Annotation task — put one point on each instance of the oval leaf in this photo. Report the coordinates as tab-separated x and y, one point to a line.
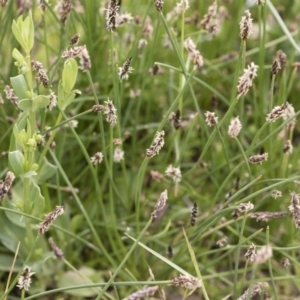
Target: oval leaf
40	102
16	162
19	85
25	104
69	75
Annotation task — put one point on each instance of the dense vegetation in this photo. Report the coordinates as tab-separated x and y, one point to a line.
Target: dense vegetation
149	149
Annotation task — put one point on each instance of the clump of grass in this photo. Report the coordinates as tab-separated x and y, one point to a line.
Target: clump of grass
105	105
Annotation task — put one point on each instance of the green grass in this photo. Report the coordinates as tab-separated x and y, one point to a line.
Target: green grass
111	245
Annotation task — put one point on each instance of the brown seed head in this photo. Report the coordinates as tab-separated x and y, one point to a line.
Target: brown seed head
63	8
251	254
58	253
256	289
263	254
111	15
258	159
288	147
160	204
245	81
5	185
246	25
294	208
187	282
125	69
211	119
159	5
275	67
234	127
157	144
142	294
45	225
74	39
194	214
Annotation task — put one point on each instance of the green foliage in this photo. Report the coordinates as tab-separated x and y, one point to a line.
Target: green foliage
106	233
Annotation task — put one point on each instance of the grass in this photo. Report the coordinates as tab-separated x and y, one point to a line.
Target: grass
112	243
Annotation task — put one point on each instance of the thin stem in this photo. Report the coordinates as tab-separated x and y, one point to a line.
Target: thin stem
112	278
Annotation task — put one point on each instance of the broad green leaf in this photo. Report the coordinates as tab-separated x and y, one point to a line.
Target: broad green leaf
69	75
18	33
37	200
40	102
71	278
14	143
19	85
16	54
17	136
16	162
6	261
69	99
60	96
25	104
29	174
46	171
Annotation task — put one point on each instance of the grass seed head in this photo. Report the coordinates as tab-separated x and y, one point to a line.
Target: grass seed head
275	194
10	95
246	25
276	113
110	111
97	158
125	69
234	127
211	119
286	262
157	144
222	241
148	28
275	67
173	173
159	5
141	294
156	175
288	147
281	56
256	289
263	254
251	254
160	204
53	101
194	214
111	15
245	207
209	22
294	208
6	184
246	80
187	282
24	280
58	252
63	8
289	112
118	155
258	159
43	77
194	54
265	216
74	39
45	225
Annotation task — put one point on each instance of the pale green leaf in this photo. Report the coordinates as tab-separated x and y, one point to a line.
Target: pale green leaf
16	162
25	104
19	85
69	75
